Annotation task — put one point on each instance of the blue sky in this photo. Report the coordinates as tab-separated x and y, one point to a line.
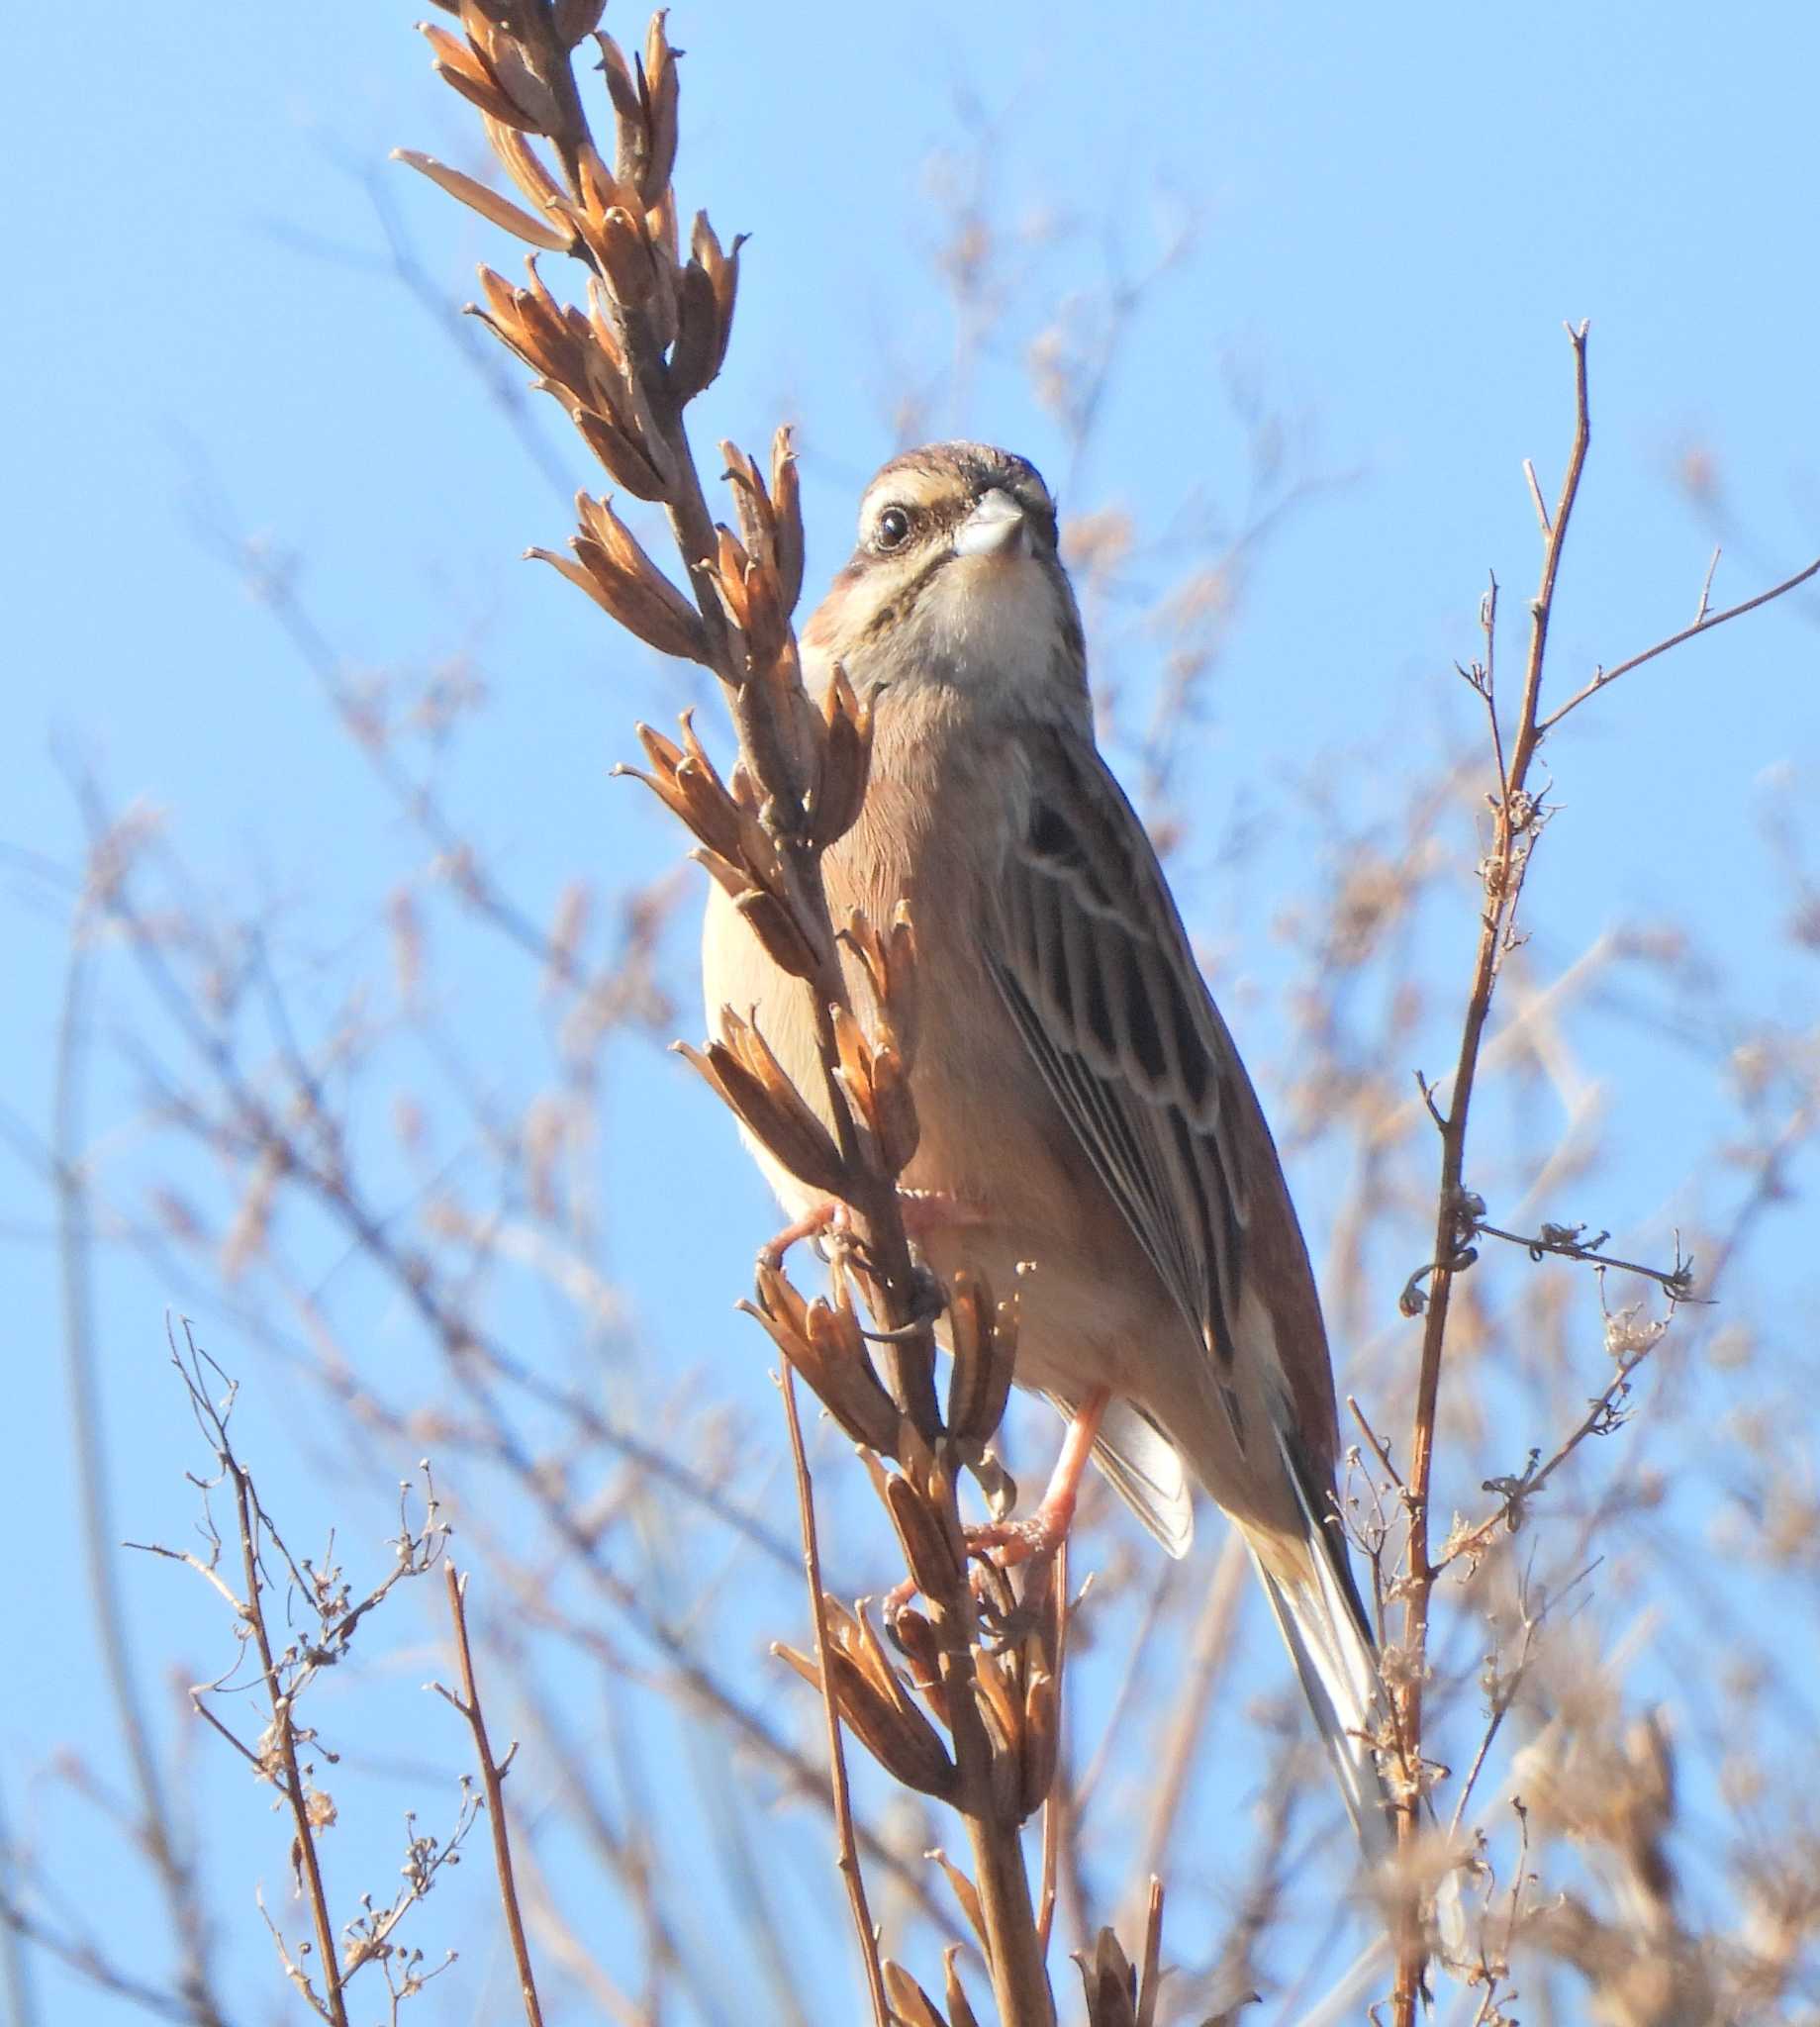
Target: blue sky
1389	213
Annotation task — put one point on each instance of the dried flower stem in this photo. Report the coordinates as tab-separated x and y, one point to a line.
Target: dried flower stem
1518	819
847	1848
332	2005
653	334
492	1779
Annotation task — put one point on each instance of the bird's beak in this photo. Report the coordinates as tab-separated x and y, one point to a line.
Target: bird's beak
994	527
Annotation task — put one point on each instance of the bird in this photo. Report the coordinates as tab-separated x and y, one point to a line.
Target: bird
1087	1130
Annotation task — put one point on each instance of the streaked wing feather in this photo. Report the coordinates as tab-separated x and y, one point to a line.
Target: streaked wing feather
1095	969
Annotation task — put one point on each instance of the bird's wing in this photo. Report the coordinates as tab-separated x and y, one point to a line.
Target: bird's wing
1094	965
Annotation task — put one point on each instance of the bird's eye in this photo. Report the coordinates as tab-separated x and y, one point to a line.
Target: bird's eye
891	528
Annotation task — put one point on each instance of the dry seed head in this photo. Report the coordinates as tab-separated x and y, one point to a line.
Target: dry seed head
766	626
999	1701
489	203
787	518
909	2003
774	923
515	74
748	595
513	316
645	601
840	792
621	89
749	1082
660	223
692	358
1041	1740
960	2012
690	788
894	1109
459	64
889	958
915	1638
966	1893
751	503
624	458
660	229
876	1709
928	1552
705	290
843	1378
984	1335
526	167
1110	1984
659	83
1004	1771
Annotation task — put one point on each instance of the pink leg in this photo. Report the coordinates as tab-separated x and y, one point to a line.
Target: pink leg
1042	1534
826	1216
1047	1528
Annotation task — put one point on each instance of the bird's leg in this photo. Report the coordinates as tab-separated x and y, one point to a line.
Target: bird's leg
829	1215
1044	1532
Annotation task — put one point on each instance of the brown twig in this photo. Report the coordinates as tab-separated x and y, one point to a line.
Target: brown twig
492	1777
846	1850
652	338
1563	1242
283	1736
1704	623
1516	817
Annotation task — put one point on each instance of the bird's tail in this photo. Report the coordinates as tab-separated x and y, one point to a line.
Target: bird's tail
1323	1623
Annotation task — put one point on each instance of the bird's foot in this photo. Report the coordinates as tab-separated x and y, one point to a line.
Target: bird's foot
924	1213
1036	1539
830	1214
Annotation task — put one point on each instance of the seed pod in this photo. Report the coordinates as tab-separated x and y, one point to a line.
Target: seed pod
846	760
459	64
518	78
960	2012
787	518
927	1553
985	1346
489	203
752	1082
526	168
661	102
1040	1741
909	2003
1110	1984
893	1111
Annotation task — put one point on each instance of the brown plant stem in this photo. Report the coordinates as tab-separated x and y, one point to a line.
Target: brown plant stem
284	1732
1513	818
847	1848
491	1778
1517	823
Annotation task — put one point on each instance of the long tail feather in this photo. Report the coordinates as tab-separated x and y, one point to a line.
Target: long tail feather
1337	1666
1324	1626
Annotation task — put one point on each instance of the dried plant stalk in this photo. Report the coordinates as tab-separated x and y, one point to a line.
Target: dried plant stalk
652	335
1519	818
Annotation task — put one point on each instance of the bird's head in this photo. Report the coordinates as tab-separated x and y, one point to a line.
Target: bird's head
956	579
